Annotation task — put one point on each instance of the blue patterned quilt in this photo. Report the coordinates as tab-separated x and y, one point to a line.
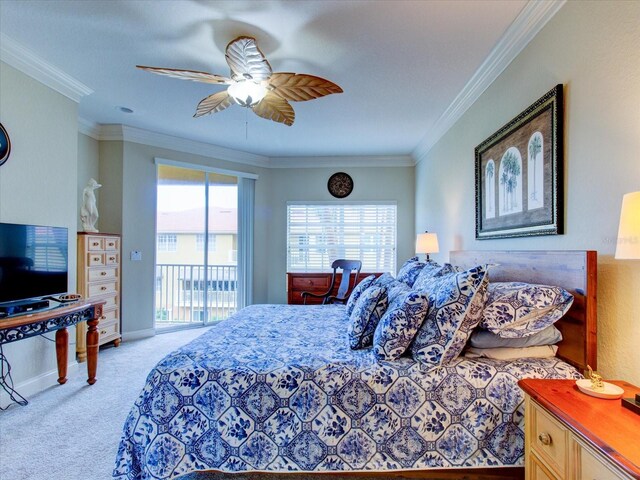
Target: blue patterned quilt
277	388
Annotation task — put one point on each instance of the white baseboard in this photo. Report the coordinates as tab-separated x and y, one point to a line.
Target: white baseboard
138	334
37	384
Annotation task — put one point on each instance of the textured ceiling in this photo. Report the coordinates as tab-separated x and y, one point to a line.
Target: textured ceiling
400	63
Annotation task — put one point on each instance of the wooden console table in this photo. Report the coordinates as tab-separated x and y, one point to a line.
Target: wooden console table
57	320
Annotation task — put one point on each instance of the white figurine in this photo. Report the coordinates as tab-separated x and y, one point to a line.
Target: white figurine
89	210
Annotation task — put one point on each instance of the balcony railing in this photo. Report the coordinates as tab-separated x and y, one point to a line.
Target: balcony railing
181	289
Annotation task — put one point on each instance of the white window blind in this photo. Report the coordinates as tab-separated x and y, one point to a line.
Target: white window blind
318	234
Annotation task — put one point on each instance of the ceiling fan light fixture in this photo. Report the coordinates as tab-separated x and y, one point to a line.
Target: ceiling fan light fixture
247	93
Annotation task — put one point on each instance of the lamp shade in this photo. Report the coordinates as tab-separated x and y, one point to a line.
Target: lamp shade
427	243
628	246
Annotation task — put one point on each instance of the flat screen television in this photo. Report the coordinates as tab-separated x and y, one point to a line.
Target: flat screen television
34	261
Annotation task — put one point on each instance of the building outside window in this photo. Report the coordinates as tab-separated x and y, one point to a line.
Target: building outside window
167	242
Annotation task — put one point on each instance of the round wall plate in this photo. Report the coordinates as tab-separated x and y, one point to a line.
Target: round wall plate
340	185
5	145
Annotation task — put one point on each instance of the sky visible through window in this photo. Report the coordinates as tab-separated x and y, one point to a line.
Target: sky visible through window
174	198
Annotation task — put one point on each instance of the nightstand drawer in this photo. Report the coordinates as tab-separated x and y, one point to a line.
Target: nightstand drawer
539	471
98	274
549	439
592	467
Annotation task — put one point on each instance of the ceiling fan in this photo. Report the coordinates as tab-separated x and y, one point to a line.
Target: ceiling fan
253	84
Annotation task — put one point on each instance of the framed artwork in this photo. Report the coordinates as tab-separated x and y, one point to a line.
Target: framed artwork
519	171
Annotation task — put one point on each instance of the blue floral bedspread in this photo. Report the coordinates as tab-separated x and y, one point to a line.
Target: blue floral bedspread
277	388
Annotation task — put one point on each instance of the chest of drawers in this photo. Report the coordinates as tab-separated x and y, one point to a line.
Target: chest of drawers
99	278
573	436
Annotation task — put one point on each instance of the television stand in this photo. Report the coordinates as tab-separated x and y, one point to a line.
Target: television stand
57	320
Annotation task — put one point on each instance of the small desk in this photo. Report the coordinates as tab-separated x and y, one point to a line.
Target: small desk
57	320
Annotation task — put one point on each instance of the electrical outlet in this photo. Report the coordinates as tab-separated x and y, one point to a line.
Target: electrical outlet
136	255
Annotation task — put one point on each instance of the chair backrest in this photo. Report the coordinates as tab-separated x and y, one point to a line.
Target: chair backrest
349	268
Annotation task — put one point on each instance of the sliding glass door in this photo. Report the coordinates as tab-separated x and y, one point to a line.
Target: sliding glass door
197	247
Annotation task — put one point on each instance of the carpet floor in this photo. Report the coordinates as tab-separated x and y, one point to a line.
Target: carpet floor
72	431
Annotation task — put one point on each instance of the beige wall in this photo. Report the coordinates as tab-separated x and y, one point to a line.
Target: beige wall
593	49
38	185
310	184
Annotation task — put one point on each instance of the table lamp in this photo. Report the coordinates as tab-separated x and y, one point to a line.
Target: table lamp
427	243
628	248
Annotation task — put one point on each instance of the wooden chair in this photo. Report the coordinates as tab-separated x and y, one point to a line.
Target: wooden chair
348	269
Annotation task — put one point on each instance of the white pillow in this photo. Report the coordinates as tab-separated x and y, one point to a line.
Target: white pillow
541	351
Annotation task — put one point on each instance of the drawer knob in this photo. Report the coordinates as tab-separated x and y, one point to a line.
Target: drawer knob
103	332
103	317
545	438
103	288
95	244
112	259
103	273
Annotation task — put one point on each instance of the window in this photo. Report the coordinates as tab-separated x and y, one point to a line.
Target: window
317	234
200	242
167	242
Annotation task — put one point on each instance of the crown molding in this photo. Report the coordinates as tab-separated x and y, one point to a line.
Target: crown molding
169	142
533	17
338	162
23	59
89	128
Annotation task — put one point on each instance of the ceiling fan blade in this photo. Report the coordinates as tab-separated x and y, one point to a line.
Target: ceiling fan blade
214	103
299	87
188	75
275	108
246	61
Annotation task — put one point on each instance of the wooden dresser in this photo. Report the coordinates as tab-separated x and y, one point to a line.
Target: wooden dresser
315	283
573	436
99	279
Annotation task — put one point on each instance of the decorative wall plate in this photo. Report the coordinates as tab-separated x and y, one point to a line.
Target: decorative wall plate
5	145
340	185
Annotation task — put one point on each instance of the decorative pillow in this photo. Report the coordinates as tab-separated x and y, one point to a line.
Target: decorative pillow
540	351
430	270
410	270
357	291
456	301
395	289
365	316
485	339
516	309
399	325
384	280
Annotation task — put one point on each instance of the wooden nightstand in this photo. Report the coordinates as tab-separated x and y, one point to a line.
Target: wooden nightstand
572	436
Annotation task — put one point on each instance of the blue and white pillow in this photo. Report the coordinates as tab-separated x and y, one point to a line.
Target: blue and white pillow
410	270
456	302
365	316
395	289
384	280
430	270
357	291
399	324
516	309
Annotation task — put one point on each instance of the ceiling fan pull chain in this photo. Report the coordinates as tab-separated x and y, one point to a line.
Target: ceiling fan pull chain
246	124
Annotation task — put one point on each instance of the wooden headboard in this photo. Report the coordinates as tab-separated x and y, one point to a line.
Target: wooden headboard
575	271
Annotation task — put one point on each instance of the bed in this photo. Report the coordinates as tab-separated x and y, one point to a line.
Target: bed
291	396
